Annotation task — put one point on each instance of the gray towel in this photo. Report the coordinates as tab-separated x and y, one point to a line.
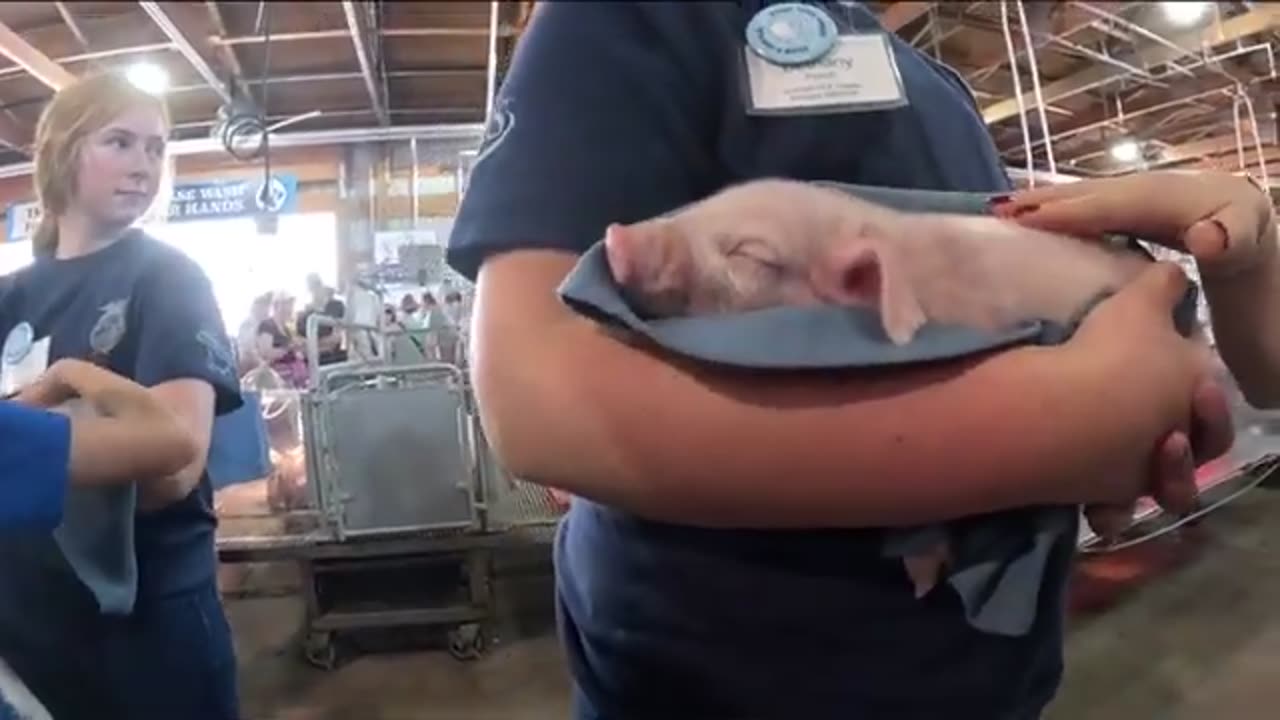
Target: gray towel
96	536
996	568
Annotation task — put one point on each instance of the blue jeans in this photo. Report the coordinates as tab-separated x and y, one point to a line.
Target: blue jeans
172	658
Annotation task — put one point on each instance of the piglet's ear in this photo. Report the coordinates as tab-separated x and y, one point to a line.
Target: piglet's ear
620	248
863	273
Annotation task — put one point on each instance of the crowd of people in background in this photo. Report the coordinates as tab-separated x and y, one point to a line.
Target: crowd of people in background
275	332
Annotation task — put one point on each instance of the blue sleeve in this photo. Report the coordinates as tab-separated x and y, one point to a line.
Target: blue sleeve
608	114
35	454
181	333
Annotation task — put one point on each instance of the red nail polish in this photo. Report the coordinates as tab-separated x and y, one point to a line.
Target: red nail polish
1020	211
995	200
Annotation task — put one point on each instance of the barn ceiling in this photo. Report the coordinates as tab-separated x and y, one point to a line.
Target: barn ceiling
1173	94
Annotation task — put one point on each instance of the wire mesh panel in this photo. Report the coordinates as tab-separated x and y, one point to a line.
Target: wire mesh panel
513	503
395	450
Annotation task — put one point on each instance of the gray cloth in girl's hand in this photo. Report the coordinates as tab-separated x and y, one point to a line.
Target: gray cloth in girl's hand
855	285
96	535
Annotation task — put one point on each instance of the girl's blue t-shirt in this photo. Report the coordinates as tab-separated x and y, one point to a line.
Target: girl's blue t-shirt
35	454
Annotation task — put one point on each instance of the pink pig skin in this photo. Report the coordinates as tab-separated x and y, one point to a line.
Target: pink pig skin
769	243
776	242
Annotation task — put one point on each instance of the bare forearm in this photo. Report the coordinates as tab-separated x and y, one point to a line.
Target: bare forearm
687	445
109	450
1245	309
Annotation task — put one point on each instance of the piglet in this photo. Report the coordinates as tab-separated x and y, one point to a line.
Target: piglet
772	243
776	242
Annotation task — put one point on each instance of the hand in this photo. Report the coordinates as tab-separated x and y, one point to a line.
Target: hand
1164	381
51	389
1173	466
1221	220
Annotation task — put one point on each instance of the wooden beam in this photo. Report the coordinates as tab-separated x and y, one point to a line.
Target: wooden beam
1264	17
227	53
1231	162
24	55
902	14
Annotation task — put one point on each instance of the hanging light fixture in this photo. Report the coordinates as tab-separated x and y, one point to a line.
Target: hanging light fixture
148	77
1184	13
1125	151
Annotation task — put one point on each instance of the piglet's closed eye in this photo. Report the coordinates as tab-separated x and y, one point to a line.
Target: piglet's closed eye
864	274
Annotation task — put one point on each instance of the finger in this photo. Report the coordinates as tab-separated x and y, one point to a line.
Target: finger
1098	214
1174	481
1109	521
1058	192
1162	283
1212	428
1229	237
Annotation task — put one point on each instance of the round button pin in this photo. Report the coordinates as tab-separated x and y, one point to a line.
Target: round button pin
18	343
791	34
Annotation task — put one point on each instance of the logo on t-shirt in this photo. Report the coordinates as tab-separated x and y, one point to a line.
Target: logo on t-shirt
217	353
110	328
498	129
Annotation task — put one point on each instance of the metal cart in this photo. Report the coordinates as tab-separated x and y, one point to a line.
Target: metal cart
406	503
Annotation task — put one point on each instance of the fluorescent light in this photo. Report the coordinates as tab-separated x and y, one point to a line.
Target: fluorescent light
148	77
1126	151
1184	13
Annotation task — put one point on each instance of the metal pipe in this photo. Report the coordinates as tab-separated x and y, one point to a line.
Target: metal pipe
179	41
1257	138
1129	24
1101	57
366	62
472	132
1050	178
1017	90
1210	59
70	21
1035	86
1235	112
340	77
1072	132
491	72
413	179
505	31
286	119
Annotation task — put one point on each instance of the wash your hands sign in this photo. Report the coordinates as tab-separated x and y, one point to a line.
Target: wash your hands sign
208	200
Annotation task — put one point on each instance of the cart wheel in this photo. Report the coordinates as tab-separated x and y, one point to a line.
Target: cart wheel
466	642
321	650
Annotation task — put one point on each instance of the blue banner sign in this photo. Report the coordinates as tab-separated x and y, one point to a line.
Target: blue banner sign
233	198
208	200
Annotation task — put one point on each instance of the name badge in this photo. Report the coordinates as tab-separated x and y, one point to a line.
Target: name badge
859	74
23	360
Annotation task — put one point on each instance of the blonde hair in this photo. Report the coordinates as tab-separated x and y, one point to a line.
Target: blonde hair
83	107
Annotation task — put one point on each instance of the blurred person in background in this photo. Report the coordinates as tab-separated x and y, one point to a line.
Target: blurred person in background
324	301
277	344
410	312
247	335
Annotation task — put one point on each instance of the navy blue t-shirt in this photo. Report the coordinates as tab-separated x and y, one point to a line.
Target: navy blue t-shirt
145	311
616	112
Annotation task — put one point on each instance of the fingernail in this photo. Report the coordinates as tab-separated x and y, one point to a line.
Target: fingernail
998	200
1223	235
1019	212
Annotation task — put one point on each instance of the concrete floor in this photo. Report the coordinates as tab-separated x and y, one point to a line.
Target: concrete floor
1200	639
